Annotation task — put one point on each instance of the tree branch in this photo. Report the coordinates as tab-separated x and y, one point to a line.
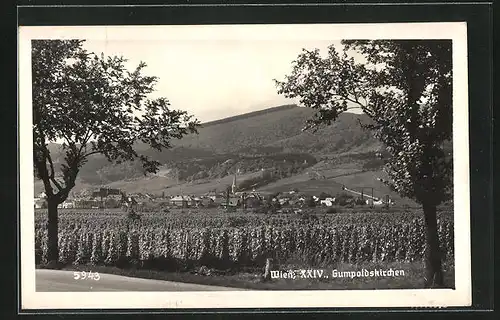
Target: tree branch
68	140
49	158
56	183
88	134
41	166
355	94
356	101
51	176
366	101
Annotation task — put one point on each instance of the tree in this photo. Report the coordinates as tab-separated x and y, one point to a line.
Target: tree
94	105
405	87
310	202
323	195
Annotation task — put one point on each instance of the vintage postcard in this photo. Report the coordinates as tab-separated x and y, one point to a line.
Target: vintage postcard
244	166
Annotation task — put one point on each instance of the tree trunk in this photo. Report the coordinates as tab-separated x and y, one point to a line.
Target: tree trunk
53	249
434	272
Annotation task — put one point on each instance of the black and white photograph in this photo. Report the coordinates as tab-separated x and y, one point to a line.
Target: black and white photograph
226	166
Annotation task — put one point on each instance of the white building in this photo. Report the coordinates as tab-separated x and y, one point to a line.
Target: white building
328	202
40	203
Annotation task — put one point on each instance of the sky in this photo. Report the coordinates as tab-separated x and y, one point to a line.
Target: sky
213	79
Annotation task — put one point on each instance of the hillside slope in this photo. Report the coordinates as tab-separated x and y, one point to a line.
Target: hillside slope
280	129
339	154
257	136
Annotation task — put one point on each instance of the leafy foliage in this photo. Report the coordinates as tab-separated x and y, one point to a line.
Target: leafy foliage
405	88
95	106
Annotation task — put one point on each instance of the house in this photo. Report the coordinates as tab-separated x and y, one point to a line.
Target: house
163	202
252	202
202	201
143	198
97	194
381	202
138	196
328	202
112	192
86	203
179	201
107	193
206	202
183	201
40	203
112	202
190	200
370	202
115	197
147	197
299	202
42	195
233	202
217	199
284	201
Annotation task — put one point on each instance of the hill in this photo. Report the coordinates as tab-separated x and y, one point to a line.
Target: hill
279	129
250	141
267	148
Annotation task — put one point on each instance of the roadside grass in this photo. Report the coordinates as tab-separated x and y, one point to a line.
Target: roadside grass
413	277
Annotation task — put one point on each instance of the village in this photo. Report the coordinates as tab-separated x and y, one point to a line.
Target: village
231	198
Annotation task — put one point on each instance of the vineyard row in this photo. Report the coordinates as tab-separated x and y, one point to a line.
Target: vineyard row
245	246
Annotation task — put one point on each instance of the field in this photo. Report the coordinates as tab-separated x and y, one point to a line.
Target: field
183	241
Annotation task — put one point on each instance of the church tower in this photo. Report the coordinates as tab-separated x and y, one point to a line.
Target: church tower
233	187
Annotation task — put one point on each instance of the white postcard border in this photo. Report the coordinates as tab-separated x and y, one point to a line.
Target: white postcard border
461	296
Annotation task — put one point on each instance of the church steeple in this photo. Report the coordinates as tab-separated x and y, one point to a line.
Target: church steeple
233	187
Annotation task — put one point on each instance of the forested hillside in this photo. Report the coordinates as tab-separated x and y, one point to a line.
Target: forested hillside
266	139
